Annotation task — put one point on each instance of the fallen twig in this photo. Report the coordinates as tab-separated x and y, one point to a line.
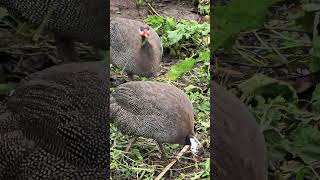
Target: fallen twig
153	10
185	148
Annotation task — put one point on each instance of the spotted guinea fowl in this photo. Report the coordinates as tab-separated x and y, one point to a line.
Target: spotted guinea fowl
155	110
239	150
135	47
53	131
69	21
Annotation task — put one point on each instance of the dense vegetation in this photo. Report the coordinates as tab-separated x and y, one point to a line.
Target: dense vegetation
267	53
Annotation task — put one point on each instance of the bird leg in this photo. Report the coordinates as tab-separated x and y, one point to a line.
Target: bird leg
130	76
131	141
163	154
66	49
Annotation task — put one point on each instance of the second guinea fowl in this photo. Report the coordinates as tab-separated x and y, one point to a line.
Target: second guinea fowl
155	110
135	47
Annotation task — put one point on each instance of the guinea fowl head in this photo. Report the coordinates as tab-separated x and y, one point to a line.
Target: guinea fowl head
144	32
196	147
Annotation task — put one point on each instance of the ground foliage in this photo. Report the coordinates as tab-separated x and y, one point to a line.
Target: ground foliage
268	55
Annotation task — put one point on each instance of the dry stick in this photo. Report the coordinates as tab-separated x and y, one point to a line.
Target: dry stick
153	10
185	148
260	39
247	57
283	58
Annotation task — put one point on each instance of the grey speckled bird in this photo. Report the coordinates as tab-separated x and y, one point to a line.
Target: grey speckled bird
238	145
135	47
72	20
57	125
154	110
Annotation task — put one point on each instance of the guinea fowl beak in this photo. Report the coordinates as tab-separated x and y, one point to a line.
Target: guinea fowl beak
144	32
196	148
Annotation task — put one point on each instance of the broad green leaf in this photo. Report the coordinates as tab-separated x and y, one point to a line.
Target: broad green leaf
171	22
237	16
174	37
180	68
155	20
305	143
276	150
204	56
267	87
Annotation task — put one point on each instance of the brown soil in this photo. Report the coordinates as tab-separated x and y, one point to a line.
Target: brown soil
128	9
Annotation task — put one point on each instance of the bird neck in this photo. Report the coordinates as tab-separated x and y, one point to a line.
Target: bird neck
144	40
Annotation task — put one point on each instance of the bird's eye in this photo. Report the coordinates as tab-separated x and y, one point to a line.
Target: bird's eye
147	28
141	28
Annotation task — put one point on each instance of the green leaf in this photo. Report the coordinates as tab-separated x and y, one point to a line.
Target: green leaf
276	149
174	37
300	175
171	22
6	88
191	88
267	87
237	16
204	56
316	99
305	143
181	34
181	68
155	20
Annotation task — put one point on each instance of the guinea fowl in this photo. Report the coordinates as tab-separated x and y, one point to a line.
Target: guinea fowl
53	131
155	110
239	150
69	21
135	47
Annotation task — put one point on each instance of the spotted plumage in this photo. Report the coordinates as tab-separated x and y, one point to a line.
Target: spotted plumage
153	110
72	20
60	124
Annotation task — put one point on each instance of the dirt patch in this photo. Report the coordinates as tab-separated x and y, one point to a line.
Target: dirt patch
177	9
